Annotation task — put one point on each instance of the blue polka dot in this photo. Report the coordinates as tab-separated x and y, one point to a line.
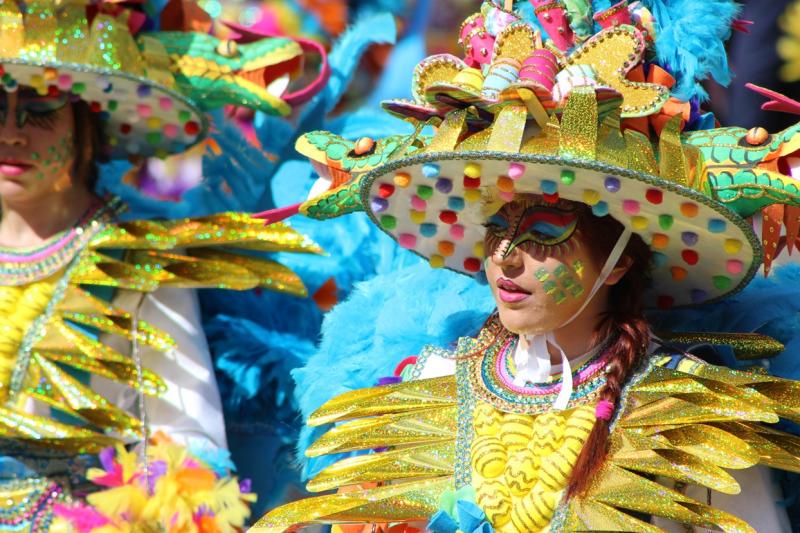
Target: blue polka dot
689	238
444	185
427	229
379	204
143	91
430	170
699	296
549	186
716	225
456	203
659	259
600	209
612	184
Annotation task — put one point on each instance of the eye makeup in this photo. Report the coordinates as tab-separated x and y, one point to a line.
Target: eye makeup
34	109
540	229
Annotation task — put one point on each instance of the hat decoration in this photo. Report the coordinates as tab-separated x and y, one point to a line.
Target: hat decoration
150	88
536	107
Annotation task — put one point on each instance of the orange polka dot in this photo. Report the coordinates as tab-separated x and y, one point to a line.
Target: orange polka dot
689	209
660	241
446	248
678	273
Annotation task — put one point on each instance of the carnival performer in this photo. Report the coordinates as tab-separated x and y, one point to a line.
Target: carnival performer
100	336
572	172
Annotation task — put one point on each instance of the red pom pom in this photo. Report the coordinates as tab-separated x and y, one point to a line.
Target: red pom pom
385	190
191	128
471	183
690	256
472	264
654	196
95	107
448	217
125	129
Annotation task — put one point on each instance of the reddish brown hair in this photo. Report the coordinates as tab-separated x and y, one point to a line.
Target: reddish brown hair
625	323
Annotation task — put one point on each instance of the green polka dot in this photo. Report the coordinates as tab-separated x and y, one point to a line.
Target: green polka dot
388	222
722	282
78	87
184	115
425	192
567	177
665	221
153	137
112	105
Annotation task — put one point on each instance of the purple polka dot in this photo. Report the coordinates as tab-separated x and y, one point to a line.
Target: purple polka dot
699	296
612	184
444	185
689	238
379	204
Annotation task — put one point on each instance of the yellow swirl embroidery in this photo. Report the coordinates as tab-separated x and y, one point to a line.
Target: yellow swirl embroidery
521	463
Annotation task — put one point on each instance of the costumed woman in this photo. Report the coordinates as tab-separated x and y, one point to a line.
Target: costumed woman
577	176
101	342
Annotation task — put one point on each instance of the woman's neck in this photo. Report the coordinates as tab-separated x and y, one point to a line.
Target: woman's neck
29	224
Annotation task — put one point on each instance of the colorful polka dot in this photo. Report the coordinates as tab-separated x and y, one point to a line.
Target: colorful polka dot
734	267
660	241
471	183
591	197
505	184
457	232
698	296
678	273
689	238
430	170
418	203
427	229
444	185
165	103
472	195
689	209
639	223
407	240
191	128
654	196
659	259
388	222
549	186
425	192
567	177
446	248
417	217
472	170
516	170
665	221
143	91
436	261
612	184
402	179
455	203
448	217
631	207
733	246
665	301
385	190
509	196
600	209
716	225
472	264
379	204
722	282
144	110
478	249
690	256
171	131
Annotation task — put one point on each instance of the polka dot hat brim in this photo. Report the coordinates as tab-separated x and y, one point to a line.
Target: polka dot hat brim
435	204
139	116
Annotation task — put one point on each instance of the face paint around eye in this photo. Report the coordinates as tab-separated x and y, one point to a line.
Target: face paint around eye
39	111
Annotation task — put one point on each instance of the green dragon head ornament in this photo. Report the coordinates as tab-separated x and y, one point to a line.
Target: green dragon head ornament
151	89
604	132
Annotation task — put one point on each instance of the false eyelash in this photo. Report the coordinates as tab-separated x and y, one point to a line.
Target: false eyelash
44	120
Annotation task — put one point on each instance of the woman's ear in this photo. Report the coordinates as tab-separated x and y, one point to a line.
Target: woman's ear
623	265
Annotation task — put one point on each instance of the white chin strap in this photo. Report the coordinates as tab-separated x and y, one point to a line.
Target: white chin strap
533	364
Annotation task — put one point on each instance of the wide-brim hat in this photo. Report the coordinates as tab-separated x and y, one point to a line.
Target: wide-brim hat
150	89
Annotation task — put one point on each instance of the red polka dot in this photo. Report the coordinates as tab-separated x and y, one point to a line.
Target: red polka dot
95	107
52	90
448	217
665	301
690	256
654	196
472	264
191	128
125	128
550	198
471	183
385	190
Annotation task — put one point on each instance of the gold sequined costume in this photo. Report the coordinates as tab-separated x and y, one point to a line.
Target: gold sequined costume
680	419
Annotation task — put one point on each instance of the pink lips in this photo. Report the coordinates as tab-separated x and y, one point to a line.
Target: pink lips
510	292
13	167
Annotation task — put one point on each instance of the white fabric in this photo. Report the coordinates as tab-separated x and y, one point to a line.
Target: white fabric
533	364
191	407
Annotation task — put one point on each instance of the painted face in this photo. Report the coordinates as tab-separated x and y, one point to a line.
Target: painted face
37	149
538	266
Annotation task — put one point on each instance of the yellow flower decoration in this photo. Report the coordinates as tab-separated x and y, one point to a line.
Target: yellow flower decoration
789	44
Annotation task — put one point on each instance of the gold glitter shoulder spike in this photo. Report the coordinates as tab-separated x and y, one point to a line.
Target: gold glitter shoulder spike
402	502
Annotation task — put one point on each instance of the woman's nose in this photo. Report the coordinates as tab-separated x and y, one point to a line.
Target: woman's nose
505	256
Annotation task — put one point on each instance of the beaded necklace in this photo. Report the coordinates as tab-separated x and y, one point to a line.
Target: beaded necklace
19	266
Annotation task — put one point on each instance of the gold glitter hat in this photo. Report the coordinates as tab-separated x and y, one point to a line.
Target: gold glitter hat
150	88
609	134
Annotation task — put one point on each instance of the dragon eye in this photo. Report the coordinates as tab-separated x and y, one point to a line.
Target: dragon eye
228	48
